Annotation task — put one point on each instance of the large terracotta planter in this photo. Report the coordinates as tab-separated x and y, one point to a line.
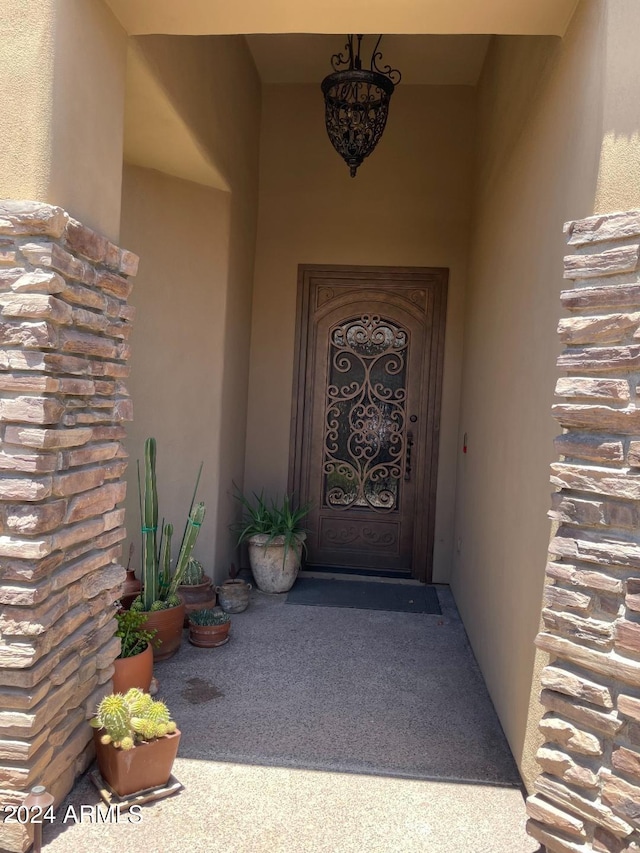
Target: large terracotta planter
199	596
209	636
168	623
273	572
233	595
129	771
136	671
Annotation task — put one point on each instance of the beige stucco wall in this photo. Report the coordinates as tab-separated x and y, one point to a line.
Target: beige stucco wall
193	290
62	71
335	16
545	107
181	231
619	172
409	205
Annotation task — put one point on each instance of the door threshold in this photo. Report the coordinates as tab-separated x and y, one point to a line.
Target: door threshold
368	573
376	579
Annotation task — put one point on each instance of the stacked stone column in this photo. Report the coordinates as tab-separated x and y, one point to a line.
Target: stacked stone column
64	326
588	794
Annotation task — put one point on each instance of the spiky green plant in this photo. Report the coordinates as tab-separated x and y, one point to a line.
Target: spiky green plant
149	530
191	531
158	584
193	574
209	617
114	716
274	520
131	719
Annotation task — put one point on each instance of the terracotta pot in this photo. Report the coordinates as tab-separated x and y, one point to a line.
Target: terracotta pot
129	771
200	596
130	590
168	623
136	671
208	636
271	570
234	595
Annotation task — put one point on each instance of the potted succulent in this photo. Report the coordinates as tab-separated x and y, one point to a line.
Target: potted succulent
134	664
209	628
196	589
233	594
136	742
159	600
275	540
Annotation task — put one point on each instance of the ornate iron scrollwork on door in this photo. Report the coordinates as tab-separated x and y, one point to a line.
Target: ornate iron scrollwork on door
364	445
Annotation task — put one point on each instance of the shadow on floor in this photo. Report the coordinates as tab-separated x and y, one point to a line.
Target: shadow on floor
339	689
389	707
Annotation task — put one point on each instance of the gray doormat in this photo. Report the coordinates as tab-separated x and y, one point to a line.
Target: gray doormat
364	595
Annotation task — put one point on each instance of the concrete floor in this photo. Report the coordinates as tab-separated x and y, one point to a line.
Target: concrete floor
324	729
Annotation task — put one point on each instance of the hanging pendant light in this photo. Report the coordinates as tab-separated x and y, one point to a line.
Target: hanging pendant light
357	102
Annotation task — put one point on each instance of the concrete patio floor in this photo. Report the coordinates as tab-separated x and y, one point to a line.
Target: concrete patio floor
324	729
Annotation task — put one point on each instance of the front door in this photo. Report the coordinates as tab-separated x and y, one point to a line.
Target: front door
366	414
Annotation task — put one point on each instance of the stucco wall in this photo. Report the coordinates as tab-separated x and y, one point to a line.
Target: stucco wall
335	16
62	67
190	352
544	109
408	205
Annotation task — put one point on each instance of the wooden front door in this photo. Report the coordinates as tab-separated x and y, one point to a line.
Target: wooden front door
366	414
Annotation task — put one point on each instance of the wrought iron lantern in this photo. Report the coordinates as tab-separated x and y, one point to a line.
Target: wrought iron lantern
357	101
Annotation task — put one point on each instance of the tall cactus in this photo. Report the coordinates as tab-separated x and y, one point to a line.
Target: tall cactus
165	561
149	512
194	523
158	585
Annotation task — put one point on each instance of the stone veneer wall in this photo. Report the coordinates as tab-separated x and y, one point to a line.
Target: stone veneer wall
64	324
588	795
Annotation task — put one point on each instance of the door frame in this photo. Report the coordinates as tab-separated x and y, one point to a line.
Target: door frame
435	278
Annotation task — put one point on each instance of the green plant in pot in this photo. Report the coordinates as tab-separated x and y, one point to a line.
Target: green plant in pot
275	540
134	664
209	628
136	741
159	599
196	589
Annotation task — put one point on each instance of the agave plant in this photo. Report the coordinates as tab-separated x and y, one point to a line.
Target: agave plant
274	519
159	585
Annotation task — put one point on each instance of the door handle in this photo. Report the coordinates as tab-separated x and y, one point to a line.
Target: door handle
407	458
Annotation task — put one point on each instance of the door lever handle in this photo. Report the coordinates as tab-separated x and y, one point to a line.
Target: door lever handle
407	458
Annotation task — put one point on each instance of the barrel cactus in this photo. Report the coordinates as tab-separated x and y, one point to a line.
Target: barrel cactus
113	715
193	574
132	719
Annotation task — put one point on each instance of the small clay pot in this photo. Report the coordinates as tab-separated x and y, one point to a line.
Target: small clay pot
168	623
129	771
130	590
136	671
233	595
208	636
199	596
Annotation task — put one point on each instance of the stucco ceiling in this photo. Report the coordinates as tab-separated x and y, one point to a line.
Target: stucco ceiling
219	17
433	60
